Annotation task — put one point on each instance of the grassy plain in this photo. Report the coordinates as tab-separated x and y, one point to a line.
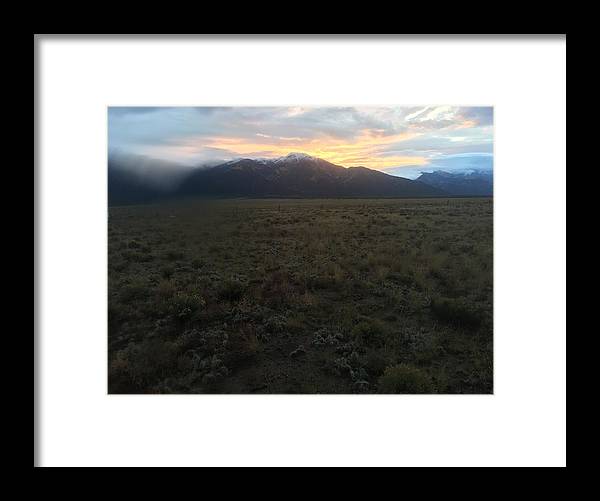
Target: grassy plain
301	296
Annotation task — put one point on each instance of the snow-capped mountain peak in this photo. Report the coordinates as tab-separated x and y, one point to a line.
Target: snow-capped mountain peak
290	157
295	156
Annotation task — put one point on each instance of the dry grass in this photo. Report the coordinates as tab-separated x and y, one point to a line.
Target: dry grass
213	296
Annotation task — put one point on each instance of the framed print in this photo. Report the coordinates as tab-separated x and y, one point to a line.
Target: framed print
316	251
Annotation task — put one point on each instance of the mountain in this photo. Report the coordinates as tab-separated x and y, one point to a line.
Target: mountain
468	183
299	175
295	175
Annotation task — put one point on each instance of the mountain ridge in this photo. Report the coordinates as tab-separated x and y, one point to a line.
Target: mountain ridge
465	183
299	175
296	175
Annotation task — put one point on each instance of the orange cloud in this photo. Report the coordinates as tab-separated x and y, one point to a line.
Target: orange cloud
364	150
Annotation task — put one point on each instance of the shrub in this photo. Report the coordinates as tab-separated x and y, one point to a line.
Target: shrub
183	306
319	281
404	379
376	362
349	365
242	349
136	256
165	289
174	255
326	337
202	342
277	289
275	324
167	272
132	291
197	263
141	365
456	311
369	332
231	290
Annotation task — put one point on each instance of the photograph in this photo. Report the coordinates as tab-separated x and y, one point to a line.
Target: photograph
300	249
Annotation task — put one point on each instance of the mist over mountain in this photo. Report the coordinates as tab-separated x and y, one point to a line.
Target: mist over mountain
139	180
136	179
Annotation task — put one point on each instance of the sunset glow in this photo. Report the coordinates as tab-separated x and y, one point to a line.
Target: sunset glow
383	138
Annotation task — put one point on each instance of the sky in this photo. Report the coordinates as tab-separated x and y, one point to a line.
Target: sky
399	140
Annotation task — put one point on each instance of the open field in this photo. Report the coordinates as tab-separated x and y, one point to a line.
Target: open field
301	296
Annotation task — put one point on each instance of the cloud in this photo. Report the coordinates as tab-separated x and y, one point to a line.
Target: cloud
376	137
134	110
460	162
481	115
